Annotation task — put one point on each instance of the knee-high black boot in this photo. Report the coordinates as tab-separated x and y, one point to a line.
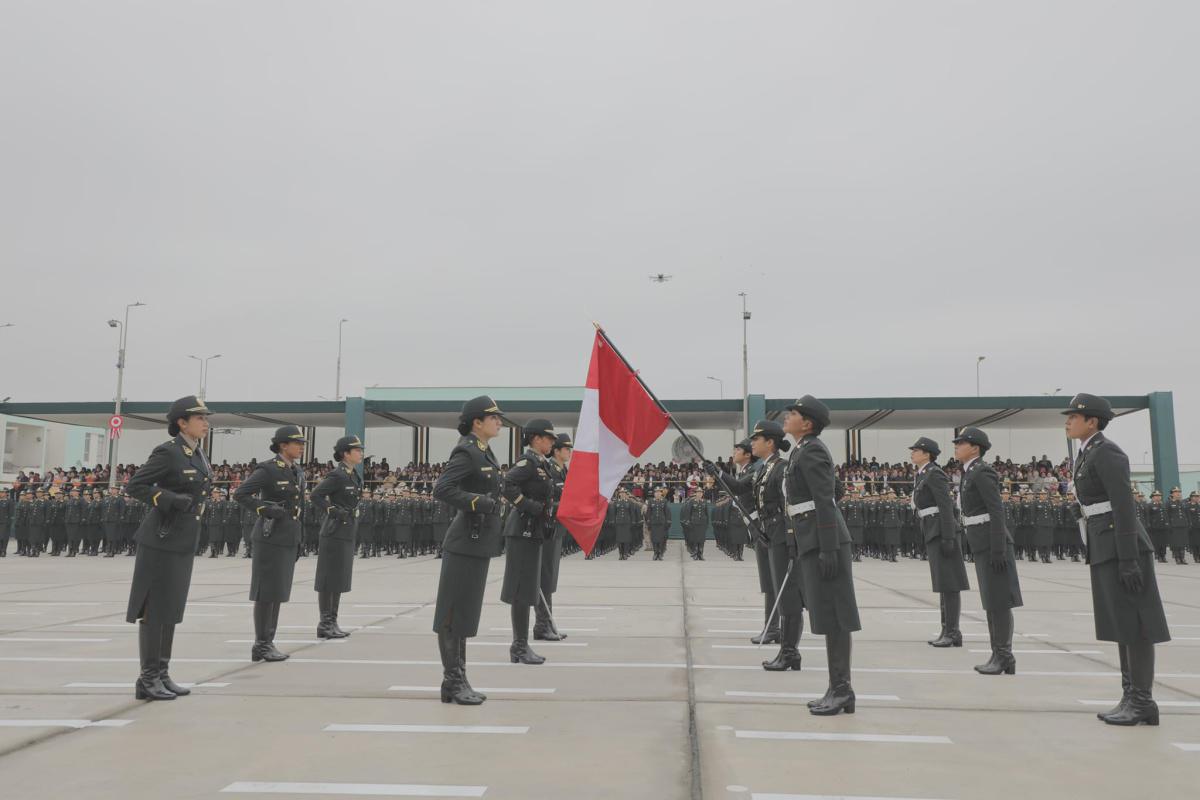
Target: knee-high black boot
325	609
841	694
789	653
1126	684
462	664
1003	661
1140	707
164	659
942	608
335	601
266	618
519	652
454	689
543	627
771	622
149	684
991	623
951	612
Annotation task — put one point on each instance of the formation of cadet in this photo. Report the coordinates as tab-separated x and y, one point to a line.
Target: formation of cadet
623	526
82	522
398	522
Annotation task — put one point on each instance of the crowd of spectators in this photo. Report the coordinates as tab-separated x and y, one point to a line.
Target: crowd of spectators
679	480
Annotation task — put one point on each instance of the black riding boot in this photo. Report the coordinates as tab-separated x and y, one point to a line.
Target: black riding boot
991	623
164	659
149	684
325	609
1126	685
841	694
462	664
951	612
266	618
454	689
1002	661
771	623
335	604
1140	707
519	652
789	654
544	629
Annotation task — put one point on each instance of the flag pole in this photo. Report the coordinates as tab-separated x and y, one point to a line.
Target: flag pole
750	521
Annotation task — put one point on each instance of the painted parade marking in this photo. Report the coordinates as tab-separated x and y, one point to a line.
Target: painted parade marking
581	619
290	641
811	648
64	723
734	608
911	610
80	640
733	630
1188	747
129	685
55	603
1047	652
587	608
1162	703
221	605
771	796
387	605
503	730
568	630
813	736
539	644
808	696
358	789
348	627
479	689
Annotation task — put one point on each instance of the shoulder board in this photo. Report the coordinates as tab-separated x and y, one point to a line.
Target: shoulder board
167	442
279	463
523	462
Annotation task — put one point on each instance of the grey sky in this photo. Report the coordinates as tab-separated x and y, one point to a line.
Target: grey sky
899	186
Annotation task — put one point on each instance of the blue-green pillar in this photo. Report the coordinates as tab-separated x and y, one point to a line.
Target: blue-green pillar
1162	440
356	420
756	407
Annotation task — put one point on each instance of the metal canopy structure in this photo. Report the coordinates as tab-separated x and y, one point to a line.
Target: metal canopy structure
423	408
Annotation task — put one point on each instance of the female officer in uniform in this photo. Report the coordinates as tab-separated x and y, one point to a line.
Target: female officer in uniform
275	492
820	536
767	441
1125	599
935	512
470	483
529	487
337	495
992	544
173	482
543	626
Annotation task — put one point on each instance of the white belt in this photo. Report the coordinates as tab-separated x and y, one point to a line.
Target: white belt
753	515
978	519
927	512
1096	509
802	508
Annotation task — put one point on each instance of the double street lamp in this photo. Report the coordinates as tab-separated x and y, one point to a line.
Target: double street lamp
204	373
123	337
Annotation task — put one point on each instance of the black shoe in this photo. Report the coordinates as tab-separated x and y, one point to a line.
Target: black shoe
841	698
771	637
948	639
455	690
1140	709
547	635
785	660
149	685
266	651
999	665
519	653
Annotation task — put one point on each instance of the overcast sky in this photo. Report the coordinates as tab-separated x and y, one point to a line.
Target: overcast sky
900	187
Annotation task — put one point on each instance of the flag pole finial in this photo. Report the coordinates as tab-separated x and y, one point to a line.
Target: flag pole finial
597	326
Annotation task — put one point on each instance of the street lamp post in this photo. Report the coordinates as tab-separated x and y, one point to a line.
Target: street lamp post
978	361
204	374
337	392
745	367
123	338
720	385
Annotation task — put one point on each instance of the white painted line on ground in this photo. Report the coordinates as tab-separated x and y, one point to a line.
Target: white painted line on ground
808	695
1188	747
129	685
769	796
197	614
568	630
911	610
1048	652
379	728
734	608
20	613
53	603
1163	703
290	641
80	640
586	608
539	644
64	723
1179	625
1185	638
580	619
369	616
727	619
733	630
478	689
813	736
117	625
766	648
358	789
927	622
348	627
221	605
387	605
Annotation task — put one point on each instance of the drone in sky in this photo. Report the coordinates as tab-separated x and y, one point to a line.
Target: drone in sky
660	277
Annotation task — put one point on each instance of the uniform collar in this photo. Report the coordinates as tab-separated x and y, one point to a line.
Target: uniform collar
967	466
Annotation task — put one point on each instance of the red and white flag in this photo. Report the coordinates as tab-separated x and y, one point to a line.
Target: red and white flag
617	423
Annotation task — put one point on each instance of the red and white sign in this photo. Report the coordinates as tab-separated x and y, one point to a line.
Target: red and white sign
617	423
114	425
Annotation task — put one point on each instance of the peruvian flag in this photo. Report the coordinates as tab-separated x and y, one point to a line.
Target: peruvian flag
617	423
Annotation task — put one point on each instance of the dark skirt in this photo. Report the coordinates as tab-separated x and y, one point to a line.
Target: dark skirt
949	574
335	565
233	534
832	607
1179	538
891	537
791	599
551	559
522	568
998	591
37	535
1043	536
695	534
1159	537
856	535
624	534
460	594
405	535
1124	617
762	556
159	592
659	533
271	572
